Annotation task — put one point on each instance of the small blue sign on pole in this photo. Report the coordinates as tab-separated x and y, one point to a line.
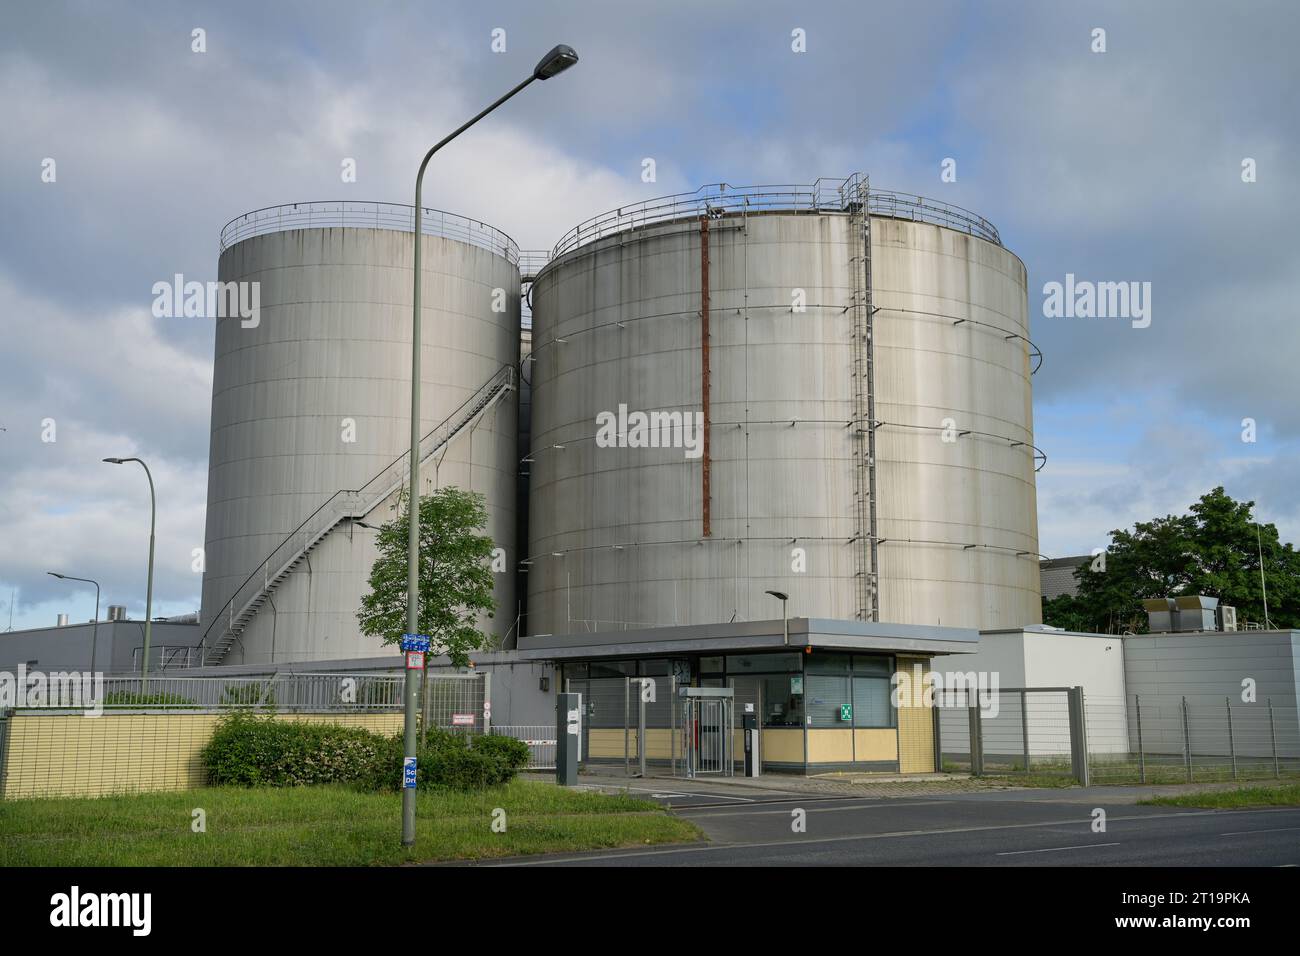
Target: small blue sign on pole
416	642
408	773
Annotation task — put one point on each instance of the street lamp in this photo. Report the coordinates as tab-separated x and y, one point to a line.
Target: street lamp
95	634
556	61
148	601
783	598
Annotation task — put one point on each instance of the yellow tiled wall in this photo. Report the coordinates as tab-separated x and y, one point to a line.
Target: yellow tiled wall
70	755
915	725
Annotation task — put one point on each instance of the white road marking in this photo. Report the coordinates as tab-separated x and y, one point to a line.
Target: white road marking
707	813
1055	849
1247	832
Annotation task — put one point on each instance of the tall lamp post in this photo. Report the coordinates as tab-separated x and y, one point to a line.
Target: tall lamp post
148	601
556	61
783	598
94	638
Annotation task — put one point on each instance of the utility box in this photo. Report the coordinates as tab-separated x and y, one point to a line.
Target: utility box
1195	612
749	725
568	738
1160	615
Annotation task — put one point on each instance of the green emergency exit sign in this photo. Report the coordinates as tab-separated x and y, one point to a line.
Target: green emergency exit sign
846	711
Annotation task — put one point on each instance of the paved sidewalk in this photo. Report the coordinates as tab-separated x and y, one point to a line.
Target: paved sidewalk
611	779
856	785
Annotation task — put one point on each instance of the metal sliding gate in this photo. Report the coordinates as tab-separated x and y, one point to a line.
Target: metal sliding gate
709	730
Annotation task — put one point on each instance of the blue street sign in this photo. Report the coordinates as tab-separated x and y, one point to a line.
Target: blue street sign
415	642
408	773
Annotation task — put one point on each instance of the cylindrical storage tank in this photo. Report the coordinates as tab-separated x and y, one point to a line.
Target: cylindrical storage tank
618	535
314	398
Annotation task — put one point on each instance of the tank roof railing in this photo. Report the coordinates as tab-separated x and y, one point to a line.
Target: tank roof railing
824	195
368	215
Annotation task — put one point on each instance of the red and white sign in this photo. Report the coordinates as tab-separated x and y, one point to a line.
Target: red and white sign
415	660
462	720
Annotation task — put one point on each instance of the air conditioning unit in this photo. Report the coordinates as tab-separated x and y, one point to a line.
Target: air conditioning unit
1227	616
1195	612
1160	615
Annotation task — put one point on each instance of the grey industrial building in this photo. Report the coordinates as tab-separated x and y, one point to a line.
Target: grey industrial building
1057	575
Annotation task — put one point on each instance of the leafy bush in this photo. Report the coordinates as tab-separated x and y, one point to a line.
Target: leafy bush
510	752
251	750
469	763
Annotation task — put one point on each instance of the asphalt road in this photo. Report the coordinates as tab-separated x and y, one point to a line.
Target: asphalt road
1013	828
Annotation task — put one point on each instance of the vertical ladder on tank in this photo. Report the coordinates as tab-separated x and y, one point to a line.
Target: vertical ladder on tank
855	196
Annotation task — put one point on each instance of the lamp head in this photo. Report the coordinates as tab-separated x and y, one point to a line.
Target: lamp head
557	61
113	461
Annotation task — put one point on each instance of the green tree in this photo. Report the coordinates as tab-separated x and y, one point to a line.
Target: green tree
1212	550
455	575
1067	611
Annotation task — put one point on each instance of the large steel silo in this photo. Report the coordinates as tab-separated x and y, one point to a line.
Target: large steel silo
862	362
311	414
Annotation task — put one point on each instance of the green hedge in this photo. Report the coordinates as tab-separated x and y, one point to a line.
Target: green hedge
464	763
252	750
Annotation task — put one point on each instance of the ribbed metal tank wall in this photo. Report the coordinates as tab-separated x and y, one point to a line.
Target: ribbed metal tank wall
333	347
617	535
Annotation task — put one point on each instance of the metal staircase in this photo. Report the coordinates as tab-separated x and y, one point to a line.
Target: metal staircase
855	196
249	597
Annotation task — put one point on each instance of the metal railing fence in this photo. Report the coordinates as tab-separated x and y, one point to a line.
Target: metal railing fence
540	739
827	194
457	702
311	693
367	215
165	656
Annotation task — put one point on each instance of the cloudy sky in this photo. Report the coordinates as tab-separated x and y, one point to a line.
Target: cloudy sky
1117	166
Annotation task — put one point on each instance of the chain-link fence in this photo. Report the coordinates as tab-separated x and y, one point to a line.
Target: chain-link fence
1115	740
1011	730
1173	741
460	703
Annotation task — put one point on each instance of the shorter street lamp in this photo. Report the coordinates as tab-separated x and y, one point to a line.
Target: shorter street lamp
783	598
95	634
148	601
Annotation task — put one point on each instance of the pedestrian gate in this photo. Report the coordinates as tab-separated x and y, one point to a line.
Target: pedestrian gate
708	726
